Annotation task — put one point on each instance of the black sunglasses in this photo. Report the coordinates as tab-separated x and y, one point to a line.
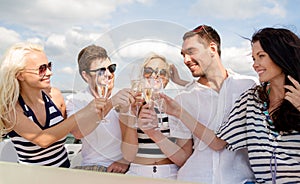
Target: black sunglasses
43	68
148	71
111	68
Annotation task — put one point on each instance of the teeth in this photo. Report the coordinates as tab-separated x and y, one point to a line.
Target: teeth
260	71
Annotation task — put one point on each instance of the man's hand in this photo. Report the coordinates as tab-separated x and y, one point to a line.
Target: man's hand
123	99
118	167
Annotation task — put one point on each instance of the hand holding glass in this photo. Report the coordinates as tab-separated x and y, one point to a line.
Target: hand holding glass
102	81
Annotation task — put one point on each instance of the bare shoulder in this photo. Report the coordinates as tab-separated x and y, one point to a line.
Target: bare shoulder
55	93
56	96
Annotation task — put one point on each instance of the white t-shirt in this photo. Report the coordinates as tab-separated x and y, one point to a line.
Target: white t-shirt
211	108
103	145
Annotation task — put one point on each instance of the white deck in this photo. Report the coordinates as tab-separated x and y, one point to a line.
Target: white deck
14	173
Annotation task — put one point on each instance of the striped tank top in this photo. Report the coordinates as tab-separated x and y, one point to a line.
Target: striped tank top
29	153
147	147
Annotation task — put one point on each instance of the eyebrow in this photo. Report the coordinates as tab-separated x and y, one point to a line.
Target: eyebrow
260	52
186	50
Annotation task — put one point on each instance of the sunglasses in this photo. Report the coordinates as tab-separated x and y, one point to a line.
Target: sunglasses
42	69
111	68
201	30
148	71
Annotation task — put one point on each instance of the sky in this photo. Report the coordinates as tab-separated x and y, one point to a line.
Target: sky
130	29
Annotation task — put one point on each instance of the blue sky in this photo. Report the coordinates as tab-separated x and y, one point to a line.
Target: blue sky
129	29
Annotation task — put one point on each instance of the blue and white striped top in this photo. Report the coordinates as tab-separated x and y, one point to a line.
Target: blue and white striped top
270	154
147	147
29	153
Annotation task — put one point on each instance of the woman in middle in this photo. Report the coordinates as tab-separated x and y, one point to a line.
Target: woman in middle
150	150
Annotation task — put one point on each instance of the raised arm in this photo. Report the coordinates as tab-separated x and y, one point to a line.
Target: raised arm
121	99
174	75
177	152
129	144
198	129
84	118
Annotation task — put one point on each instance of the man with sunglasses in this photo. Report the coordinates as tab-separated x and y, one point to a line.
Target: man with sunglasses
208	99
101	149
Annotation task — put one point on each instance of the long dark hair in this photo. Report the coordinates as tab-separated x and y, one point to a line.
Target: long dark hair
283	47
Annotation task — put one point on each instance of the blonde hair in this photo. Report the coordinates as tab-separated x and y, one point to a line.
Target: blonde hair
157	56
11	65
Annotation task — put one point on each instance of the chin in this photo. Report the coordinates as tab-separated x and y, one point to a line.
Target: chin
262	80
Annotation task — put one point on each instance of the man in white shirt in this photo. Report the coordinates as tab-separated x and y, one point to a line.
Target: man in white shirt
209	100
101	148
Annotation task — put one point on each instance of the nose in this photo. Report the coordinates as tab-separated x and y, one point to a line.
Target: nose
107	72
255	64
186	58
48	72
154	75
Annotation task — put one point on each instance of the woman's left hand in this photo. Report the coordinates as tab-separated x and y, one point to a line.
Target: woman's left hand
293	94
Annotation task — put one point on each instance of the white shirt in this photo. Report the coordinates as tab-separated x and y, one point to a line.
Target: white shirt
103	145
211	108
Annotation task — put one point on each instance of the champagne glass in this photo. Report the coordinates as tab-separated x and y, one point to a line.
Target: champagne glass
147	95
135	81
136	87
102	81
147	90
157	86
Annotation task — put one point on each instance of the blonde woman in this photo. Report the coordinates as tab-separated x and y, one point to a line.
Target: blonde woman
30	117
142	146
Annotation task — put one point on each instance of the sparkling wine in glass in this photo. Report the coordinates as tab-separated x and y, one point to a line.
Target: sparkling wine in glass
102	81
157	86
147	95
136	87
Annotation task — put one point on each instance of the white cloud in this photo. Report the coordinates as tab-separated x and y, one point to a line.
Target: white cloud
142	47
65	46
67	70
35	40
239	59
237	9
8	38
55	15
56	41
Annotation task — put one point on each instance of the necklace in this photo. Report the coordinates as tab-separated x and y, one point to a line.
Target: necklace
275	136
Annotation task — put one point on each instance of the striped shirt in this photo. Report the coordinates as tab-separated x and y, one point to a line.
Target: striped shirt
147	147
269	152
29	153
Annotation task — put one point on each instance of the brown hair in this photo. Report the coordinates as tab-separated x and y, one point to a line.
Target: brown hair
88	54
206	33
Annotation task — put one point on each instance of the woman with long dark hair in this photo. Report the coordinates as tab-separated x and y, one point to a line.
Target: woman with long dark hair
266	118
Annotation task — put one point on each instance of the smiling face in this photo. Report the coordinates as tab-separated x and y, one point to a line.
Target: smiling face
196	56
160	68
266	69
30	77
90	77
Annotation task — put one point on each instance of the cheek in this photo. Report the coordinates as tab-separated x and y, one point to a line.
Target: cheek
165	81
112	81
